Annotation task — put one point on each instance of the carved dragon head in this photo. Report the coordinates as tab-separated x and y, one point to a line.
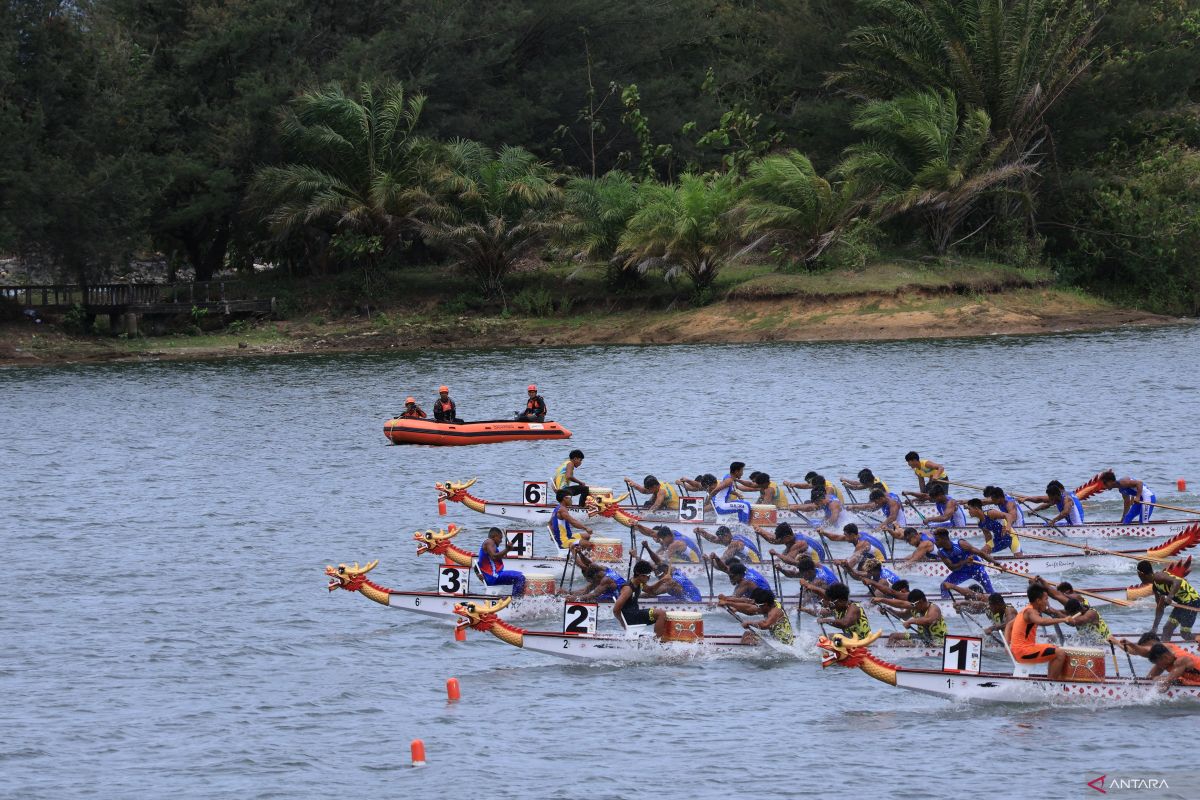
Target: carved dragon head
454	492
1185	540
480	616
844	649
434	542
349	578
605	506
1091	486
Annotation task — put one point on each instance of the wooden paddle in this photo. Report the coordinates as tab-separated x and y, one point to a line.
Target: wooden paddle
1144	557
1028	507
1172	508
763	636
1028	577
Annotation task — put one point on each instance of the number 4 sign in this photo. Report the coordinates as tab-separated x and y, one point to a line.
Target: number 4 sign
961	655
579	618
521	541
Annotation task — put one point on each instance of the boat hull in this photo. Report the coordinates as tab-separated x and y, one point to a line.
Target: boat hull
998	688
423	431
641	648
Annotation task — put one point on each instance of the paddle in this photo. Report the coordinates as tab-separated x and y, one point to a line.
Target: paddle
1145	557
908	502
979	625
1115	601
1172	508
766	638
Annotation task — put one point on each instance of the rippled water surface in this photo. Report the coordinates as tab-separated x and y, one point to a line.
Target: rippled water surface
167	628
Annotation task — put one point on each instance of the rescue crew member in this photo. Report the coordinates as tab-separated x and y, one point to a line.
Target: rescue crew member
535	407
444	409
411	409
1139	499
564	476
490	561
563	525
663	497
1176	592
1021	634
924	469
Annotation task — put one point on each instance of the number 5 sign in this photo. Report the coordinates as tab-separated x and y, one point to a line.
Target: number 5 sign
961	654
579	618
691	509
535	493
453	580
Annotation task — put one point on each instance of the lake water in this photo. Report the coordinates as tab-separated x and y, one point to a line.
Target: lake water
167	629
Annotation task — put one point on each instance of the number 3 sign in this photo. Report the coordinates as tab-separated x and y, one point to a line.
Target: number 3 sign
453	580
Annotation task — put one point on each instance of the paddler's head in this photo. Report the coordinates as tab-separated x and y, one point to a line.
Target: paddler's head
765	599
850	531
784	533
975	508
594	572
900	585
1054	490
872	567
878	497
996	603
664	535
1161	657
737	571
576	457
995	494
912	536
1149	638
912	458
1108	479
496	535
723	534
810	476
762	480
1145	571
735	469
818	495
1073	606
563	494
642	571
866	477
839	595
916	598
941	538
808	569
1038	598
651	483
937	490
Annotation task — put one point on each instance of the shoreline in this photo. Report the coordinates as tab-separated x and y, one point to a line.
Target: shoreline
900	316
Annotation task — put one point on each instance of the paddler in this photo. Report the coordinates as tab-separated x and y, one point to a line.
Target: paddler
563	526
998	535
1174	664
564	476
865	546
1021	634
769	493
1006	503
820	500
886	503
923	544
444	409
963	562
744	579
866	480
723	495
411	409
815	579
1070	510
794	544
603	582
663	497
814	480
1086	621
535	406
950	512
672	545
999	612
1174	591
490	561
850	616
626	607
928	626
924	469
762	602
1139	499
878	579
739	545
672	583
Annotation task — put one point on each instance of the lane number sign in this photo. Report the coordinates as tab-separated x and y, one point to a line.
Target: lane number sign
691	509
961	655
453	580
521	541
535	493
579	618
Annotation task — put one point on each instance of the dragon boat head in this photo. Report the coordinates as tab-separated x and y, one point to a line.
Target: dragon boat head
841	648
435	542
605	506
454	492
349	578
480	616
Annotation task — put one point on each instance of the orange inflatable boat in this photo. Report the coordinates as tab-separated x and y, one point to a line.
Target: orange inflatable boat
425	431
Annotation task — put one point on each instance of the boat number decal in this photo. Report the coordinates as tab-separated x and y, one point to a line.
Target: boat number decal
961	654
521	542
579	618
453	580
535	493
691	509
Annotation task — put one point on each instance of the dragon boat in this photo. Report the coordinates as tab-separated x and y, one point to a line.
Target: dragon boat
1087	682
424	431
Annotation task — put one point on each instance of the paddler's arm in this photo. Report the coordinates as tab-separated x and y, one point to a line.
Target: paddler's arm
650	552
717	563
637	487
576	523
622	597
660	500
784	557
703	534
849	484
973	550
606	584
764	533
642	529
767	622
783	569
816	588
848	621
903	605
744	484
742	604
930	617
1053	591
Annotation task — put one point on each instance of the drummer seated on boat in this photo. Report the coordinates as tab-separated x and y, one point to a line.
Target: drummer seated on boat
923	544
603	582
1070	510
411	409
1021	634
739	545
535	407
1139	499
444	409
1173	664
672	583
997	532
923	621
848	616
564	527
924	469
962	560
743	579
626	607
663	497
761	602
490	561
1173	591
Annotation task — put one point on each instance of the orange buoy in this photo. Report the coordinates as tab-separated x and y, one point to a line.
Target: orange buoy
441	508
1181	485
452	690
460	633
418	753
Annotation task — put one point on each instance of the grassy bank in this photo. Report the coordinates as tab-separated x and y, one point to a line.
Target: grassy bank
568	304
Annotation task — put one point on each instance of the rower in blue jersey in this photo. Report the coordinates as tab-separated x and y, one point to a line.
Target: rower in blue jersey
675	546
923	545
564	528
997	534
490	561
744	579
603	583
737	545
865	545
1070	510
888	504
1138	497
722	495
963	562
672	584
794	544
950	512
1006	503
879	580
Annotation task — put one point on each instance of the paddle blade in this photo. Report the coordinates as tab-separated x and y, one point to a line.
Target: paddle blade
1089	487
1177	544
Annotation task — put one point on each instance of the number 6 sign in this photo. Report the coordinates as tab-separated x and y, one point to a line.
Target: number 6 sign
535	493
691	509
961	655
579	618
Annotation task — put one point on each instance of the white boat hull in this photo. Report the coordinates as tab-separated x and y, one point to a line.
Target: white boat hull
998	688
641	648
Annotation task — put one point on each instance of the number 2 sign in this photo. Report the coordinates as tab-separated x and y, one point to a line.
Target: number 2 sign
579	618
961	655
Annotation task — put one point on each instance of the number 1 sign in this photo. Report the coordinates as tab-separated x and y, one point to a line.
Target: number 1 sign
961	655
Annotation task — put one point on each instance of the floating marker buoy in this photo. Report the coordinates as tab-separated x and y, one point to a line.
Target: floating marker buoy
452	690
460	634
418	753
441	508
1181	485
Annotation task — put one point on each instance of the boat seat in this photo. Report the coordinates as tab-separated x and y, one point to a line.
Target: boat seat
504	590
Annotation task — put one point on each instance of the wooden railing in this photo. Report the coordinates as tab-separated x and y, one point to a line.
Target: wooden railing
120	295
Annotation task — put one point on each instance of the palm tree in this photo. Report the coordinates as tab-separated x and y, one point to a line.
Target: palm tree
357	168
688	224
923	157
600	208
783	198
490	209
1012	59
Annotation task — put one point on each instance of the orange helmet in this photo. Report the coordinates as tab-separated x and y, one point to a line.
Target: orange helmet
444	389
533	387
408	400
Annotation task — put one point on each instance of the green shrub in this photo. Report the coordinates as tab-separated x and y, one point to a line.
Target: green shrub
76	320
534	301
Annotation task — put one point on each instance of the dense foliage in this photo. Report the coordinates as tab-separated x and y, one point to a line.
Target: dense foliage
336	136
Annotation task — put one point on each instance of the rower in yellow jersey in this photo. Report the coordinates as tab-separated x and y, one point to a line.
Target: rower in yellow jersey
866	480
663	496
924	469
564	476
